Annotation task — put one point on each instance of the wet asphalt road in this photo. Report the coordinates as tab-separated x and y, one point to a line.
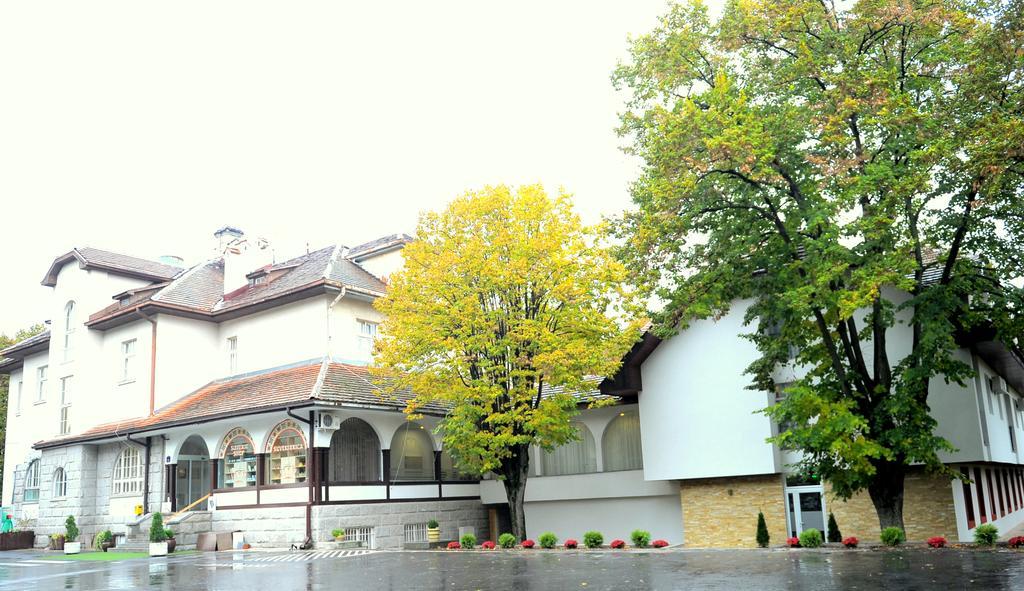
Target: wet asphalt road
688	569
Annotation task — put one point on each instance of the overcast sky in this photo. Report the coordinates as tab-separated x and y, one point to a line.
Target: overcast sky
142	127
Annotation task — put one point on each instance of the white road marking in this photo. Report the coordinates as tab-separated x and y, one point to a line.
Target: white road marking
305	556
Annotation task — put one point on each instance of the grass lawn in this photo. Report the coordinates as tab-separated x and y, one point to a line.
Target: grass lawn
108	556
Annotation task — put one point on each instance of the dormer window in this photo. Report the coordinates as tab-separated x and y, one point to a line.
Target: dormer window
69	329
254	281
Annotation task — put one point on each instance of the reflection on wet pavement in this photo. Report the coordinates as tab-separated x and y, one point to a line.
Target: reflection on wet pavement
522	570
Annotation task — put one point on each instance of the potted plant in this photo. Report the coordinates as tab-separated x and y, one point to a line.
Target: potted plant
56	541
171	542
105	540
338	535
71	543
157	536
433	531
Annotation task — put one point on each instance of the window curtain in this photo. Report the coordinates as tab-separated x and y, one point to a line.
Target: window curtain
575	457
412	454
354	455
620	444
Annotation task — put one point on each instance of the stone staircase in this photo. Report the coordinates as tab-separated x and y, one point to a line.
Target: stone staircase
186	527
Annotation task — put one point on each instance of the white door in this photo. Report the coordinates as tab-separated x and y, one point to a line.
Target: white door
805	508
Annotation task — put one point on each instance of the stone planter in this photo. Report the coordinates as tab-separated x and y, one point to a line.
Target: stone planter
433	534
106	545
158	548
72	547
17	540
171	545
56	543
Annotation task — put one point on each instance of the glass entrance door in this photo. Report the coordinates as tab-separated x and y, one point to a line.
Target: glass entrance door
193	482
805	508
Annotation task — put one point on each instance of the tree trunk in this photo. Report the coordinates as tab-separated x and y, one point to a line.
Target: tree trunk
515	472
886	491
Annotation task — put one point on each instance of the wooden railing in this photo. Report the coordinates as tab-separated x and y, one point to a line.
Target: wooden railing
194	503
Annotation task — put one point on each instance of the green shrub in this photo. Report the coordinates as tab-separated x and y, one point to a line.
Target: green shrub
104	536
985	535
169	533
762	531
432	524
337	533
468	541
157	533
834	535
640	538
507	540
811	538
547	540
72	529
593	539
893	536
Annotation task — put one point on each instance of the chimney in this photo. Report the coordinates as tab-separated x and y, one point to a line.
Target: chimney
242	255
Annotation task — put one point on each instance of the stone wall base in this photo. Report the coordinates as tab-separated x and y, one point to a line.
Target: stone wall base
927	510
279	527
722	512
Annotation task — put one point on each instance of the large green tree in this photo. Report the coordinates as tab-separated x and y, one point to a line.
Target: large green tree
854	169
6	341
504	311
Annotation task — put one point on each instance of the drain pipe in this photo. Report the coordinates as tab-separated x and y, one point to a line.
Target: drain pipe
309	473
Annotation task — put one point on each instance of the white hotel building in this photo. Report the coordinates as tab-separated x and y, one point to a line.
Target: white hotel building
235	395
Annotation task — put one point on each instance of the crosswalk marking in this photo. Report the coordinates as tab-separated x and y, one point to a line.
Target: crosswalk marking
304	556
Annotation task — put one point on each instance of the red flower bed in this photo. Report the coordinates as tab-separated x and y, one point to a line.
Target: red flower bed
1016	542
793	542
527	544
571	544
937	542
488	545
851	542
454	545
659	543
618	544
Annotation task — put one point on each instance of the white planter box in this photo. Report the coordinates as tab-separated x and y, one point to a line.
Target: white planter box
158	548
72	547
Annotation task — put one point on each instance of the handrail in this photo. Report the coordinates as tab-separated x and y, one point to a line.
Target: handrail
200	500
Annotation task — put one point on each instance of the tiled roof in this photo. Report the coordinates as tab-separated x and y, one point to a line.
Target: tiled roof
28	343
200	289
379	244
343	385
90	257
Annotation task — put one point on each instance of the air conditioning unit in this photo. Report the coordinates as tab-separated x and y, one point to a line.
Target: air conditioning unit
327	421
997	385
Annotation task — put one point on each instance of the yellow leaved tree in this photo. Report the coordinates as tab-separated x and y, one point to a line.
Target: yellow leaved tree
505	312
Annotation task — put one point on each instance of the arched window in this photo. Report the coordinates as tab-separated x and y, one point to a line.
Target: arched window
60	483
239	455
450	471
286	462
412	454
128	472
69	329
32	482
355	453
575	457
620	444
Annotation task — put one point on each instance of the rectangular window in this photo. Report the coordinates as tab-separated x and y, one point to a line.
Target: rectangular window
360	534
367	333
968	500
128	360
982	508
415	532
65	405
41	377
232	355
17	403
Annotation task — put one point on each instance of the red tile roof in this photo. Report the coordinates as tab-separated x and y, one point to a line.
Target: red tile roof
293	386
